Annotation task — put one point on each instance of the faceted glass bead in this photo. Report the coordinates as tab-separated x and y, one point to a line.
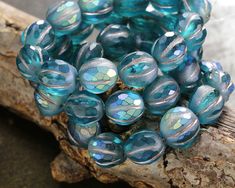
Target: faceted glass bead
117	41
124	107
130	8
107	150
40	34
180	127
161	95
144	147
138	69
166	7
29	61
98	75
169	51
84	108
64	16
209	66
96	11
207	104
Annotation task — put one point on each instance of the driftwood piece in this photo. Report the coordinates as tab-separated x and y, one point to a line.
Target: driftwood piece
210	163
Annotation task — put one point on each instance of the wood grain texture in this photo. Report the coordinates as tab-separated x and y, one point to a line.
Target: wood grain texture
210	163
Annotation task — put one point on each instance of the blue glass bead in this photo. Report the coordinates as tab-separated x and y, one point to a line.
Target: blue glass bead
80	135
202	7
64	16
130	8
161	95
40	34
87	52
117	41
209	66
29	61
98	75
180	127
96	11
124	107
58	77
166	7
169	51
85	108
137	69
207	104
144	147
107	150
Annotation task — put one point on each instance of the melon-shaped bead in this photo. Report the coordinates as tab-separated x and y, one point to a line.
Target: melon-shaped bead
30	60
144	147
117	41
84	107
161	95
209	66
207	104
138	69
180	127
95	12
64	16
124	107
166	7
107	150
98	75
169	51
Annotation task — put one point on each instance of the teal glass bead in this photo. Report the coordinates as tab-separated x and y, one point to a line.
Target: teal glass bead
64	16
144	147
29	61
209	66
107	150
137	69
166	7
202	7
98	75
180	127
161	95
80	135
169	51
39	33
96	11
143	45
207	104
84	108
130	8
124	107
117	41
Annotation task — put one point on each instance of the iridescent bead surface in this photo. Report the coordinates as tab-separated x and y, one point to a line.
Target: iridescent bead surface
137	69
144	147
84	108
161	95
29	61
207	104
98	75
64	16
180	127
169	51
96	11
117	41
107	150
166	7
124	107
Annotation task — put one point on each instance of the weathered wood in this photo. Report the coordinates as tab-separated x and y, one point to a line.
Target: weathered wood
210	163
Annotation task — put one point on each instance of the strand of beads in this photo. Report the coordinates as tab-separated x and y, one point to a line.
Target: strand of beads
145	63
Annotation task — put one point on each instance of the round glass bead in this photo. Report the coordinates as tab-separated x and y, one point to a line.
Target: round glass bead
117	41
98	75
169	51
166	7
207	104
180	127
209	66
161	95
107	150
64	16
144	147
138	69
124	107
97	11
84	108
29	61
